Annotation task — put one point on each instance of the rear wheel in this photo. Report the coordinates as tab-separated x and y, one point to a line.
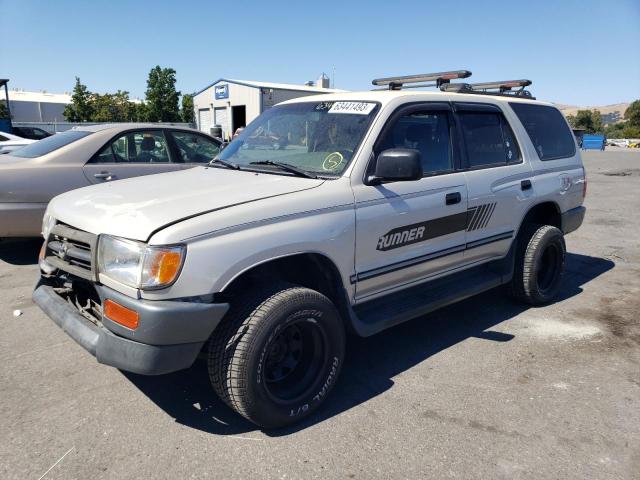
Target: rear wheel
539	264
277	355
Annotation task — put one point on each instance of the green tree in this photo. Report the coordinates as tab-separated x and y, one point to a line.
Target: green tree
630	131
80	109
614	130
187	109
632	114
112	107
138	112
161	95
596	121
589	120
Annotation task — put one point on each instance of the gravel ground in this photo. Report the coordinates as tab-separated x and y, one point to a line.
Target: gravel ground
482	389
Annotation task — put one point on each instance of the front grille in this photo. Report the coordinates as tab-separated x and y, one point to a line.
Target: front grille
72	251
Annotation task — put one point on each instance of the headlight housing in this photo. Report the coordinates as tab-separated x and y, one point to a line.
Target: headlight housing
48	222
139	265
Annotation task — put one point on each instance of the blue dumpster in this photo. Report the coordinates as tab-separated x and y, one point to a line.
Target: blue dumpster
593	142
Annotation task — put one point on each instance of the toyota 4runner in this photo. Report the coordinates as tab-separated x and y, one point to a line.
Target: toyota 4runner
327	214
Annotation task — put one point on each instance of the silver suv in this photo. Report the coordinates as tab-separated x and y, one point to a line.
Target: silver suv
343	212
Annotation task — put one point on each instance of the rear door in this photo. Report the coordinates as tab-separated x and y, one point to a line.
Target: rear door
409	231
497	177
132	154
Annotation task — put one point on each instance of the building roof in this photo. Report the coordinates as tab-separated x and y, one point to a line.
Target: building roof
275	86
42	97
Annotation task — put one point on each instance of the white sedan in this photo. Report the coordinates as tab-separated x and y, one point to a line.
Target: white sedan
10	142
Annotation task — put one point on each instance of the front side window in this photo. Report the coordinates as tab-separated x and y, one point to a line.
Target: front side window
427	132
49	144
193	147
135	147
318	137
547	130
488	139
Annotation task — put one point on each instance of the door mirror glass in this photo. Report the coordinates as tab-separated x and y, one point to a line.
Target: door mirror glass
397	165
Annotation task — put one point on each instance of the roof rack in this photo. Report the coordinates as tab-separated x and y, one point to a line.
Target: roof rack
419	81
504	88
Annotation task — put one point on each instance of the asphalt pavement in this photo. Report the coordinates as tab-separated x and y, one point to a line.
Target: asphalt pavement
486	388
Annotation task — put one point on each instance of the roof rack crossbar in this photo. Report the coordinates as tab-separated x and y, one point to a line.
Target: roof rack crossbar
440	78
505	88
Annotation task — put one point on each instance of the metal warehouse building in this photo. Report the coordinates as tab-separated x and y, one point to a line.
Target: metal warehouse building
232	104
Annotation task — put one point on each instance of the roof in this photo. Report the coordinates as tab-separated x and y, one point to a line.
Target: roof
275	86
127	126
386	96
42	97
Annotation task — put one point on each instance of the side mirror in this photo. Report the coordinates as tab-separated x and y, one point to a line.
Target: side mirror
397	165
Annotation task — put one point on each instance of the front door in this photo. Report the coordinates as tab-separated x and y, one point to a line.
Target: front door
409	231
132	154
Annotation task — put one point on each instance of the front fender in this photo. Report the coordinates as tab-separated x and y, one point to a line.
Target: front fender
213	261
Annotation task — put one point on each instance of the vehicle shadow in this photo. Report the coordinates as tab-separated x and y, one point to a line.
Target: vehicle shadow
20	251
188	397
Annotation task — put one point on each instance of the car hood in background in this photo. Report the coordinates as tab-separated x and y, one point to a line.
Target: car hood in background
137	207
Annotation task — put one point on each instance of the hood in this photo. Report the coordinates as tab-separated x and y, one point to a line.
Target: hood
137	207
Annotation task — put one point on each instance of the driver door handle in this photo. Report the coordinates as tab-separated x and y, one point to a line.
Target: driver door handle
453	198
104	175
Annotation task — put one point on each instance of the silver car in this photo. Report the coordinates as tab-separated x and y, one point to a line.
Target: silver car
33	175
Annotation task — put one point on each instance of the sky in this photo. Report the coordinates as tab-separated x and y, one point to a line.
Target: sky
575	52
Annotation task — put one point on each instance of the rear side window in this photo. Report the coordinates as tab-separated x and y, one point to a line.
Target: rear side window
547	130
488	139
49	144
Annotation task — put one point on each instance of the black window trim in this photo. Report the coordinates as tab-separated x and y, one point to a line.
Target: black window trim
559	157
92	160
479	107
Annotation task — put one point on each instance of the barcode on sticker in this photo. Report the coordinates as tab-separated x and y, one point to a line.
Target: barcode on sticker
358	108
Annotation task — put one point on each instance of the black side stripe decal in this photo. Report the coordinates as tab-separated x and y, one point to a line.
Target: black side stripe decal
375	272
479	216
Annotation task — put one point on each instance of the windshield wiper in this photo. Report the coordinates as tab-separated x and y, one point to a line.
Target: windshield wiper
285	166
230	165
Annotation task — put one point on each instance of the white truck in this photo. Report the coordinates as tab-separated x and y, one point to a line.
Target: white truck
348	212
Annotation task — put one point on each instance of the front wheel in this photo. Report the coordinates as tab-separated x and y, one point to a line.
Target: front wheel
277	355
539	265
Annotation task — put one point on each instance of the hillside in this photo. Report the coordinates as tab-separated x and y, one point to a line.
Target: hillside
610	113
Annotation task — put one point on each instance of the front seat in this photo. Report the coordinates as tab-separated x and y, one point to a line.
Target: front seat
147	146
420	135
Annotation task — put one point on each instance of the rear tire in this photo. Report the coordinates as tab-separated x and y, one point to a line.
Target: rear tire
539	264
277	354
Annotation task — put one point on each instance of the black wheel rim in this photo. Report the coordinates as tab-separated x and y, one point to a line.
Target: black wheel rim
550	266
294	360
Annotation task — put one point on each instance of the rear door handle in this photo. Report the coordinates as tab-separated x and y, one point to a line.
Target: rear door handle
453	198
525	184
104	175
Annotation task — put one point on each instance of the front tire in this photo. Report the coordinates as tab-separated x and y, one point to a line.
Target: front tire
539	265
277	355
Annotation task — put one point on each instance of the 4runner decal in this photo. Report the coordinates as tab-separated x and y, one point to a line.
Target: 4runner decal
419	232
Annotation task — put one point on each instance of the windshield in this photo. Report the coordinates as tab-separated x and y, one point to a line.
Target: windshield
49	144
317	137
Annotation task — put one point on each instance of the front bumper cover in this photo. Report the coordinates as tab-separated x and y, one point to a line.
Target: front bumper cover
170	336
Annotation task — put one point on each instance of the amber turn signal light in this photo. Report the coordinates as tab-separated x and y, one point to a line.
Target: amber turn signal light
121	315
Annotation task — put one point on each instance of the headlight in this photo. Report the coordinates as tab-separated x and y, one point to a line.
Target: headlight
139	265
48	222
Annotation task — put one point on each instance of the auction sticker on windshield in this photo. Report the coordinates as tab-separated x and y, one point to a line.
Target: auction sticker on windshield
359	108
